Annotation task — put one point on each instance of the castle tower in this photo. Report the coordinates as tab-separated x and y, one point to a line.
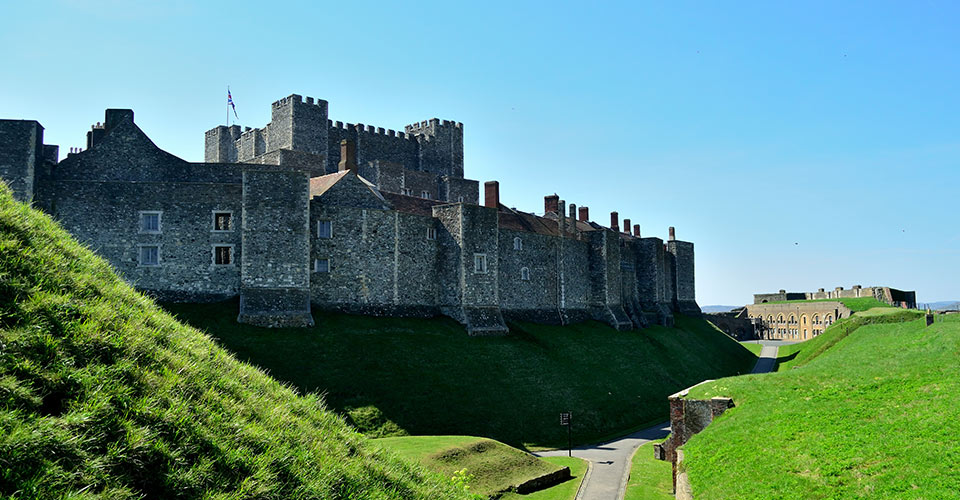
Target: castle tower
441	146
220	144
684	293
21	155
298	124
275	263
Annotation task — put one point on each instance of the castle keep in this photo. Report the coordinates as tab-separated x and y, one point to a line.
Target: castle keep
306	212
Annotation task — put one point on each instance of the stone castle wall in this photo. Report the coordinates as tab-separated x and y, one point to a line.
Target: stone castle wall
385	254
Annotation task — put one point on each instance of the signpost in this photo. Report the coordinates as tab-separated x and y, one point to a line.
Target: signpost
565	420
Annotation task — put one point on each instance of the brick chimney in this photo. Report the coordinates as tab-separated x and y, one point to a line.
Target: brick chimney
636	230
626	226
615	221
585	214
491	194
551	203
348	156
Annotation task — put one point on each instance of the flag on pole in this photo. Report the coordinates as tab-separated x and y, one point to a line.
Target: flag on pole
230	103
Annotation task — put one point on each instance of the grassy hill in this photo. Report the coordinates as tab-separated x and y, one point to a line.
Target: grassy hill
493	466
873	416
395	376
103	395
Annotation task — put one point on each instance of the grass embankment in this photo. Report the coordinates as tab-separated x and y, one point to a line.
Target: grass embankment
395	376
493	466
793	355
104	395
754	347
563	491
855	304
874	416
650	479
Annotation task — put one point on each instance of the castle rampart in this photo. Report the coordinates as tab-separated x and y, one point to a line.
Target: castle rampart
283	235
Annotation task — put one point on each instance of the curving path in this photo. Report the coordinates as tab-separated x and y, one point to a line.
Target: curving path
610	461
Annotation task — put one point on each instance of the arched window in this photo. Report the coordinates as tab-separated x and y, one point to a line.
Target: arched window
803	319
780	319
517	243
828	320
793	320
770	319
816	319
524	274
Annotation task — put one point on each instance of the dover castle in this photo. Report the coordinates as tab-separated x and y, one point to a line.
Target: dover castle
306	212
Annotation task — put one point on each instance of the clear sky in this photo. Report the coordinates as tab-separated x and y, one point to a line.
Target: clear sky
797	144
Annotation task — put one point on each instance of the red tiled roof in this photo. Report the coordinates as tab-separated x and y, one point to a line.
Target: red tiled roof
320	185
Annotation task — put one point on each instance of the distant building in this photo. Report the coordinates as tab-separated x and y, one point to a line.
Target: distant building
804	315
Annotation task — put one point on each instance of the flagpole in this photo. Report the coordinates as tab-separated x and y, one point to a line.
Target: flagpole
228	107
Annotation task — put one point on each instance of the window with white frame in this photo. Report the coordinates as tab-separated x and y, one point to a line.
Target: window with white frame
479	263
460	198
223	255
431	233
324	229
149	255
524	274
150	222
321	265
222	221
517	243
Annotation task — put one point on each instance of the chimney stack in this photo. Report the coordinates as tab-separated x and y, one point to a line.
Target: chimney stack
673	234
615	221
585	214
636	230
550	203
491	194
626	226
573	211
348	156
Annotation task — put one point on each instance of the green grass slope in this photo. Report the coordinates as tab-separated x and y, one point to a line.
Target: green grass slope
793	355
103	395
493	467
394	376
874	416
855	304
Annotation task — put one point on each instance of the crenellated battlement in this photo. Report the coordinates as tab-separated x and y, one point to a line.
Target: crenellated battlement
429	127
298	99
361	128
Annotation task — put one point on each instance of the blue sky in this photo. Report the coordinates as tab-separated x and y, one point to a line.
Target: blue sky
798	144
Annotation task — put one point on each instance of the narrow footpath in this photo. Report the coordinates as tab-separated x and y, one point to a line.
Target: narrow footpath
610	461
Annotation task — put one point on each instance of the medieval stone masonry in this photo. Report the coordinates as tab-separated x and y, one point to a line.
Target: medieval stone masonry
306	212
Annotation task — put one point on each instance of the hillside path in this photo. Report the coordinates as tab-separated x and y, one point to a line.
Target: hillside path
610	461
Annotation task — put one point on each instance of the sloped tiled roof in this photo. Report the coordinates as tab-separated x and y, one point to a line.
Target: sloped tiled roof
411	204
320	185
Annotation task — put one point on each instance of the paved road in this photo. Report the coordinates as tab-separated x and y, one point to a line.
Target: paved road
610	461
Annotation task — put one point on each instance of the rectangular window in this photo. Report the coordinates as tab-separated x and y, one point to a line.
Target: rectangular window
479	263
223	255
406	191
150	255
425	194
150	222
321	266
324	229
431	233
222	221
